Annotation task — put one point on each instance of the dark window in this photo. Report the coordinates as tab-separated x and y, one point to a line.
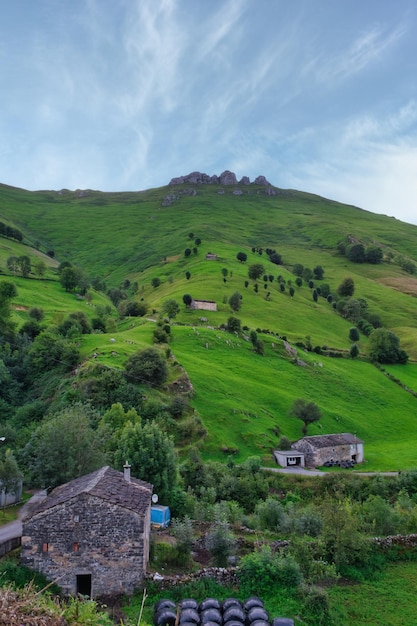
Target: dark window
45	547
76	546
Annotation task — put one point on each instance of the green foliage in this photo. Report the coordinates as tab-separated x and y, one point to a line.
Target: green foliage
255	271
316	609
233	325
51	351
242	257
346	288
384	347
147	367
307	412
235	301
151	454
64	446
261	571
20	576
354	351
271	515
353	334
220	540
170	308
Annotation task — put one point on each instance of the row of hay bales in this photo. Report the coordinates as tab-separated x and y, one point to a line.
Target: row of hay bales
212	612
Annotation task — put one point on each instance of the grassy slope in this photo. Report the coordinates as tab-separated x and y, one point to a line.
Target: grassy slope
243	398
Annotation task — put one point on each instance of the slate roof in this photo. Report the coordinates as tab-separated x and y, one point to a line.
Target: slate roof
331	441
105	483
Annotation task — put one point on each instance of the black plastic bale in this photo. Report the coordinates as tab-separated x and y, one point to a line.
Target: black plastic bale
165	617
257	613
189	603
210	603
211	615
189	615
230	602
164	603
235	613
252	602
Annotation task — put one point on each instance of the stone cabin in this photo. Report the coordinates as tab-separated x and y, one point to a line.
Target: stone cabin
91	535
211	257
204	305
320	449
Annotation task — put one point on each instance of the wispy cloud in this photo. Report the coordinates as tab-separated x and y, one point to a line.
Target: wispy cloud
363	51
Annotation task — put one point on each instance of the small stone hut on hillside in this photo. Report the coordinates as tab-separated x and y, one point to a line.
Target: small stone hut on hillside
91	534
320	449
204	305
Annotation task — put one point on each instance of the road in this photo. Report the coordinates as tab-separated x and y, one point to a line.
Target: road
14	529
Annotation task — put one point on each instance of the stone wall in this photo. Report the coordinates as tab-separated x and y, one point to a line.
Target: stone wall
88	536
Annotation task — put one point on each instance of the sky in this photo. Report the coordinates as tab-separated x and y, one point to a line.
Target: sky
123	95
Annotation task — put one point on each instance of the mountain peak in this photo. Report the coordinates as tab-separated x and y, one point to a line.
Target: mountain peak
225	178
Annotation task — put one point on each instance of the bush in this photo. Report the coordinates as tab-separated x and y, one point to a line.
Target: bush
316	609
262	571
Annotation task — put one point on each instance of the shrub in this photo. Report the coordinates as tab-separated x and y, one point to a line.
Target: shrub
261	571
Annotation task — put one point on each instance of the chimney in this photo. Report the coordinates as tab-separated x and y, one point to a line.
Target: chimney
126	470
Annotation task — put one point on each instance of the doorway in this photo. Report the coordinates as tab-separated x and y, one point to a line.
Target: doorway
84	584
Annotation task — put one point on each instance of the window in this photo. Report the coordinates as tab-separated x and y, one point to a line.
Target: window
76	518
76	546
45	547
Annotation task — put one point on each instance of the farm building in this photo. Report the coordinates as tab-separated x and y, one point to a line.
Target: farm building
321	449
91	534
211	257
204	305
289	458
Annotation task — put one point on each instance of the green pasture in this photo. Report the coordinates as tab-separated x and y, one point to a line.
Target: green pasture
245	399
390	600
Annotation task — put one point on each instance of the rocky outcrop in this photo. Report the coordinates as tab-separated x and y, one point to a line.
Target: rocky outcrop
225	178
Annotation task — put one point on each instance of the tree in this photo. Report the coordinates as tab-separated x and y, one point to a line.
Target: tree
151	454
374	254
12	264
197	241
235	301
132	308
298	269
225	272
155	282
68	278
187	299
276	258
64	446
356	253
299	281
354	334
24	265
242	257
220	540
346	288
52	351
170	308
307	412
8	291
233	325
292	291
10	475
187	252
318	272
255	271
148	367
384	347
354	351
188	275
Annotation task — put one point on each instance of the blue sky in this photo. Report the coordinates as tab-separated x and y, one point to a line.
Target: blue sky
316	95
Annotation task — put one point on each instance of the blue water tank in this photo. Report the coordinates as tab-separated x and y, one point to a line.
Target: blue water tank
160	515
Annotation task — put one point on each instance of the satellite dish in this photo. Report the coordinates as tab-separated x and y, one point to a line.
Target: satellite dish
155	498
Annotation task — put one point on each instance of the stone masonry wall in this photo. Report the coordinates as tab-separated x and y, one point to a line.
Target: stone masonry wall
87	535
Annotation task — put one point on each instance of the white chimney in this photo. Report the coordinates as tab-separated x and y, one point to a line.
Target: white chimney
126	470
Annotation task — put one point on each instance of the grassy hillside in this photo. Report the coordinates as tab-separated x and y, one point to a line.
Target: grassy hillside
242	397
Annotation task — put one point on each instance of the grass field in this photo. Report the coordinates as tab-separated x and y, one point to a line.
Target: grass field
243	398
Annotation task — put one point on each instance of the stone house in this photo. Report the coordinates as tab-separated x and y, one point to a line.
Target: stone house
91	535
211	257
320	449
204	305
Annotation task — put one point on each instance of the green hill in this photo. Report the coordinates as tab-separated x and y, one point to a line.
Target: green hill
129	239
